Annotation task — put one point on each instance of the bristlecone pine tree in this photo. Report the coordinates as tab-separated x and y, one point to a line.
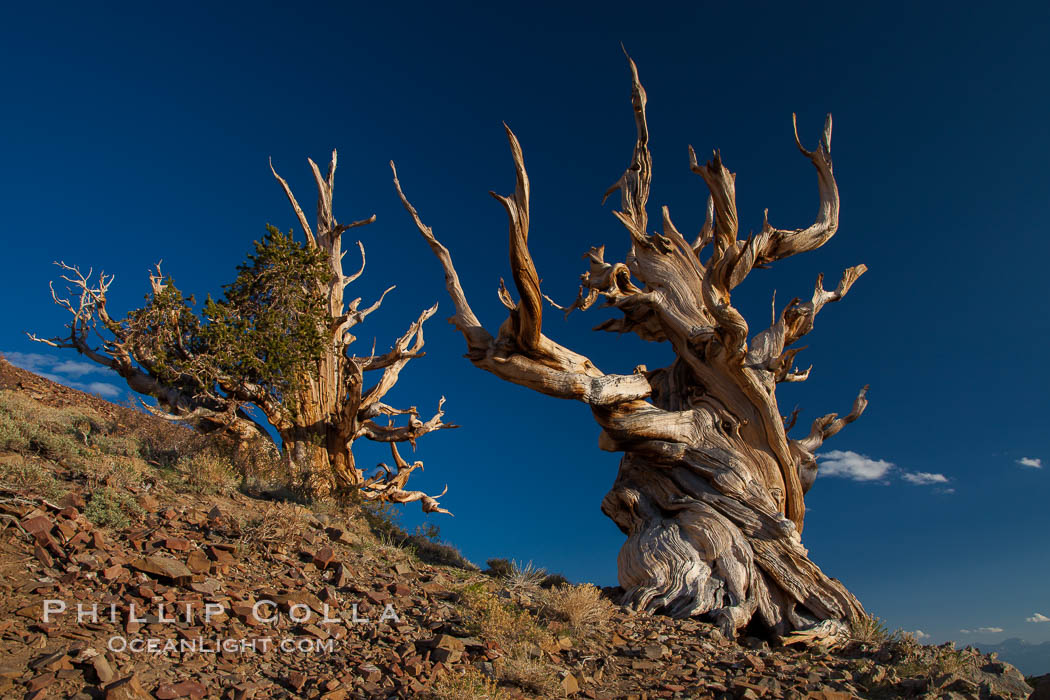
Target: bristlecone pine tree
710	488
278	341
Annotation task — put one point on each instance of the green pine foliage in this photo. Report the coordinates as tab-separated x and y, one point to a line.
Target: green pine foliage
267	330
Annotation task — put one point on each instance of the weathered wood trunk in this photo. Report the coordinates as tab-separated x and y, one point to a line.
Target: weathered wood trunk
693	548
710	491
320	460
333	407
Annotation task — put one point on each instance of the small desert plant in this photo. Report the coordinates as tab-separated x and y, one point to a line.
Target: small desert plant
430	531
870	630
553	581
29	475
278	526
117	473
916	660
525	578
583	608
499	568
471	684
110	508
527	672
491	618
382	520
208	472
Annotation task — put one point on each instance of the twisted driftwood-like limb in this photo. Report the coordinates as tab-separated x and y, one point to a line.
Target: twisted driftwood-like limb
710	488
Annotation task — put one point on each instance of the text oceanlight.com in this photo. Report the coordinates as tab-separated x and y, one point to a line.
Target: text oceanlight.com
200	645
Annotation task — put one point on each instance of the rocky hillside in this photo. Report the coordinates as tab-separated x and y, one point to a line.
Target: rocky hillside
140	561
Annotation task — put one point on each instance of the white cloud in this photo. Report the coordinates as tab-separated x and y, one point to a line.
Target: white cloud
858	467
851	465
918	635
983	630
924	478
65	372
1034	462
73	368
102	389
32	361
1038	617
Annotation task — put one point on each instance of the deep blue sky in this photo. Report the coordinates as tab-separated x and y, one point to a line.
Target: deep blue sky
133	133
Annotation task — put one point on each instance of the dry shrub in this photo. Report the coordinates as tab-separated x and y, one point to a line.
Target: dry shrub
869	630
499	568
30	476
583	608
471	684
110	508
500	621
519	635
115	472
521	669
208	472
916	660
278	527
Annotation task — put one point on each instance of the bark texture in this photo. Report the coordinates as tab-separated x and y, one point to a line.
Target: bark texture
710	492
337	400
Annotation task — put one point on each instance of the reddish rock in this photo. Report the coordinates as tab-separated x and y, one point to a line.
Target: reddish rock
43	557
342	576
324	557
198	562
183	689
126	689
112	573
220	556
102	668
163	567
41	682
37	524
177	544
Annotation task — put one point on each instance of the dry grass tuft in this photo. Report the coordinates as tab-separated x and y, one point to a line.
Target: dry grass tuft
277	528
869	630
915	660
583	608
520	636
208	472
500	621
527	672
471	684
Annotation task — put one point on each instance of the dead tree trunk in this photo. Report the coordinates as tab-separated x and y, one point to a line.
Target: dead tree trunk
710	488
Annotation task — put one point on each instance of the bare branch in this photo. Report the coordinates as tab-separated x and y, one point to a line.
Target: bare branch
391	486
395	360
354	316
310	240
478	339
634	183
347	279
529	316
799	318
412	431
823	428
829	425
778	243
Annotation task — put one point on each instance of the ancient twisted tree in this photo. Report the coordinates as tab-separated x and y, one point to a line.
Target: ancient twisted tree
277	344
710	491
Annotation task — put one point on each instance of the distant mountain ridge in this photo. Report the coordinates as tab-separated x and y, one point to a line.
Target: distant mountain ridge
1030	658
